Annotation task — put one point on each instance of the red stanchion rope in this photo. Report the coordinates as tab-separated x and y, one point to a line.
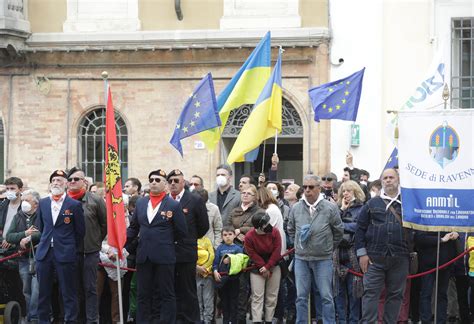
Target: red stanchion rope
14	255
421	274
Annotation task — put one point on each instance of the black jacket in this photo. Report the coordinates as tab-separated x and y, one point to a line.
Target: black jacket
426	244
95	216
197	221
3	217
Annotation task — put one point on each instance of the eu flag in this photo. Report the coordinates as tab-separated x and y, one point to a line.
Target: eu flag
338	99
199	113
392	160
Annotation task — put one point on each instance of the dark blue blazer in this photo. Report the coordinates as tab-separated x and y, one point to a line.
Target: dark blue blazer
197	221
156	241
67	233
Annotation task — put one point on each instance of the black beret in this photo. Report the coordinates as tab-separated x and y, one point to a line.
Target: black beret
158	172
73	170
175	172
57	173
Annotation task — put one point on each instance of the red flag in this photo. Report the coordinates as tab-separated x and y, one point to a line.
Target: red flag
116	228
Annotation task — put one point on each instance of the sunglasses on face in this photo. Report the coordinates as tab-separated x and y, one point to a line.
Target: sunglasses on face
76	179
309	187
327	179
157	180
176	180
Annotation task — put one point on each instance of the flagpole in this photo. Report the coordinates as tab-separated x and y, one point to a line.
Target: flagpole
263	157
276	140
105	76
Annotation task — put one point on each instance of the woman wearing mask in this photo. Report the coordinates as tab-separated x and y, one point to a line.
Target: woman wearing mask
24	235
263	246
347	301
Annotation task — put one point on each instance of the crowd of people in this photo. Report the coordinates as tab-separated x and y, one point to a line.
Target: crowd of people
265	251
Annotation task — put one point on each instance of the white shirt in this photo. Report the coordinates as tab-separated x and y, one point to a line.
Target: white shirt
179	196
276	220
56	207
151	212
12	211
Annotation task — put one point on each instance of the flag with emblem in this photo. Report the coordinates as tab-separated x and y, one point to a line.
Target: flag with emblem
338	99
199	113
392	160
116	228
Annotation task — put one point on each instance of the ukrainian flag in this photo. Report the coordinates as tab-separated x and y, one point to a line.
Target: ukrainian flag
265	119
243	88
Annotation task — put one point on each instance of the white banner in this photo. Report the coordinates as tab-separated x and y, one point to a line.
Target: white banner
436	161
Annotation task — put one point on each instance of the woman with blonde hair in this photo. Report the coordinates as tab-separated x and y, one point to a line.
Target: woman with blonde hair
349	289
268	202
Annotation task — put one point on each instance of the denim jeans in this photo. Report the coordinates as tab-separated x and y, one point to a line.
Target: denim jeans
321	273
346	301
390	272
30	289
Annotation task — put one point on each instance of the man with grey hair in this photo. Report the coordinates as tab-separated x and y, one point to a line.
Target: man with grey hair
225	197
316	228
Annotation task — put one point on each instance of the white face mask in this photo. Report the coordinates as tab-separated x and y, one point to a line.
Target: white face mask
191	189
221	181
274	193
364	182
372	194
57	191
10	195
25	206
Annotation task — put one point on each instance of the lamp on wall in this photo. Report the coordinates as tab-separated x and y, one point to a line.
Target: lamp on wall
177	8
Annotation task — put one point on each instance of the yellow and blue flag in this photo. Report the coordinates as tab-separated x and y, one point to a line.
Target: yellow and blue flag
244	88
338	99
264	120
199	113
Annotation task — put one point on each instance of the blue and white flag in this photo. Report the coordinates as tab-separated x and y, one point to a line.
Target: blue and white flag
436	161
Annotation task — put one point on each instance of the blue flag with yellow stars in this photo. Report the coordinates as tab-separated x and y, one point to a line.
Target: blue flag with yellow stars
338	99
199	113
392	160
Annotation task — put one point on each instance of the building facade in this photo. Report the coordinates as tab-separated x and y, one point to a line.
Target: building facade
155	52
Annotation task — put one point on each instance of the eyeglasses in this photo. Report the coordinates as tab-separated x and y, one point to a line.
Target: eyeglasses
247	194
157	180
311	187
327	179
76	179
175	180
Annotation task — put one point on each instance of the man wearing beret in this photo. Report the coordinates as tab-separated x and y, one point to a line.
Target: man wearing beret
158	221
95	217
195	212
60	220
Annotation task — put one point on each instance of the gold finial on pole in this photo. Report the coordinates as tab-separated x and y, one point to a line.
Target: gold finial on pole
105	75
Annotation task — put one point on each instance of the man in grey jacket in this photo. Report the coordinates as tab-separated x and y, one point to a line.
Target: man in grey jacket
95	216
225	197
316	228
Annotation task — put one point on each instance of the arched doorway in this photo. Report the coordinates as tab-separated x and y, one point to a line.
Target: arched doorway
91	144
289	148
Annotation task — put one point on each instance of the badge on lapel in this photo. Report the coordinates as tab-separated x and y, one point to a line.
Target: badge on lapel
169	214
185	211
67	220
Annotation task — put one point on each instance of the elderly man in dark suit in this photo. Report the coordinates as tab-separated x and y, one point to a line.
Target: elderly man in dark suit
60	220
195	211
225	197
158	221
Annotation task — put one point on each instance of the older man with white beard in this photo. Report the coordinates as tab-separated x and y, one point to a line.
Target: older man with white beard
60	220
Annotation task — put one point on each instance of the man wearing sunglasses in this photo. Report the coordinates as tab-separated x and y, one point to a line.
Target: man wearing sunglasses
95	217
197	222
158	222
316	228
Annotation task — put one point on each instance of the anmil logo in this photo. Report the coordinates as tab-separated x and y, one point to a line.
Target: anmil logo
444	144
